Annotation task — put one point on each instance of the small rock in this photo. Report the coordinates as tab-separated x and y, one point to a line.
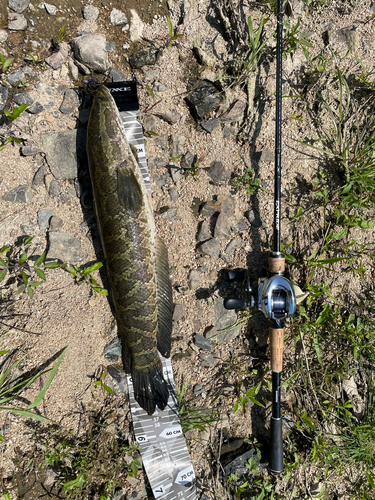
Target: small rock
222	227
316	488
161	142
197	389
188	160
194	280
267	155
149	123
73	70
351	390
27	229
4	92
38	177
17	22
151	75
204	98
176	173
170	214
179	311
112	351
23	98
219	173
182	355
210	125
50	478
35	108
110	47
235	112
183	289
233	245
57	59
177	145
116	75
229	132
172	116
211	248
90	12
160	180
174	194
19	194
345	36
210	332
54	188
15	77
240	226
30	149
90	50
51	9
82	68
160	87
70	102
144	57
208	359
65	247
44	217
294	7
47	180
254	218
238	465
204	232
202	343
18	5
136	26
55	223
3	36
117	17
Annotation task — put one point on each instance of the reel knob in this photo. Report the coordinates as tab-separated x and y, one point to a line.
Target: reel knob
235	276
236	303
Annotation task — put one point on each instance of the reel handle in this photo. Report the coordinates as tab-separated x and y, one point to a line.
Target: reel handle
236	303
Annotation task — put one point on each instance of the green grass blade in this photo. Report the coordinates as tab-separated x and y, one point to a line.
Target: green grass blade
44	389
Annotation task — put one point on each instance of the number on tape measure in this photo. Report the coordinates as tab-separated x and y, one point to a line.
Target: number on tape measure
171	432
141	438
185	476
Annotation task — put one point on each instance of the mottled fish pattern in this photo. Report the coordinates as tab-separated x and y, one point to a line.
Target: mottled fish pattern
136	257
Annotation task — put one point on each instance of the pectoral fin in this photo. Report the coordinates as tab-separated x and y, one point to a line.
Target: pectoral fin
128	189
164	298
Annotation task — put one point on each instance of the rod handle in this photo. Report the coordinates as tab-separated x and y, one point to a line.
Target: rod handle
276	460
276	348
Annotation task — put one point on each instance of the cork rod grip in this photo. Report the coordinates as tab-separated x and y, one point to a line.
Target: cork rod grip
277	349
276	265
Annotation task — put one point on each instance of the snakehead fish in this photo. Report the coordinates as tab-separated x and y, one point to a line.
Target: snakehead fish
136	257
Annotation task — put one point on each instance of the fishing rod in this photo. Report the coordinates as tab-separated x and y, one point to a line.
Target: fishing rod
274	295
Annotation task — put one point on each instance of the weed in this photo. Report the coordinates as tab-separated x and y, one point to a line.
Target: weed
62	34
9	140
23	84
193	416
172	36
93	462
12	115
248	181
12	386
5	63
248	396
16	263
293	38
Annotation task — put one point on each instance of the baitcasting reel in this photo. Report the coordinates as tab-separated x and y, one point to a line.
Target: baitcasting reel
274	296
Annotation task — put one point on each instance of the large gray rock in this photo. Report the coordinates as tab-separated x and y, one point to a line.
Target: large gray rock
90	50
63	152
44	217
18	5
15	77
19	194
219	172
70	102
65	247
211	248
222	227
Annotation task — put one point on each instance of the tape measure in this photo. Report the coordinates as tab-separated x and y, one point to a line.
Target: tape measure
162	443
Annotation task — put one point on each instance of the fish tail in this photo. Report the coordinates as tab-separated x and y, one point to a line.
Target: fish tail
150	388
